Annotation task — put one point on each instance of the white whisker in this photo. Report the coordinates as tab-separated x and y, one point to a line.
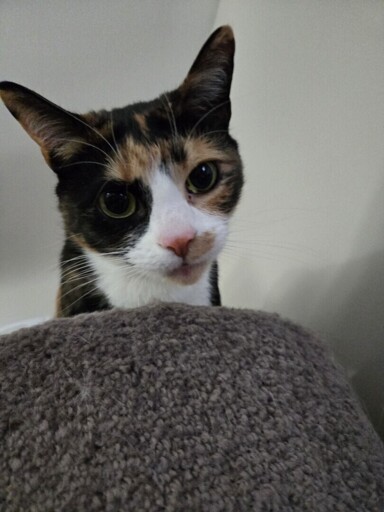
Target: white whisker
255	253
205	116
99	134
81	162
171	118
92	290
117	148
73	289
79	141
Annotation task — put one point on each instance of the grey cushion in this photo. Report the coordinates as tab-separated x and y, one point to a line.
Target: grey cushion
180	408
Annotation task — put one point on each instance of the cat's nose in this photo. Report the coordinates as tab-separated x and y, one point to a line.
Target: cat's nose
179	245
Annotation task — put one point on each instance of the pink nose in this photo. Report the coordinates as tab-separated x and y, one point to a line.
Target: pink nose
179	245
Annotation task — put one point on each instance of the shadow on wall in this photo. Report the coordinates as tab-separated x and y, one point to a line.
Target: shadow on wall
349	312
358	332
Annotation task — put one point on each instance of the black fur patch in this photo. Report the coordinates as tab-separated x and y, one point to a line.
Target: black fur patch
77	293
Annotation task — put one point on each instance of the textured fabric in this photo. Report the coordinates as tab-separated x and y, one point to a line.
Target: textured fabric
180	408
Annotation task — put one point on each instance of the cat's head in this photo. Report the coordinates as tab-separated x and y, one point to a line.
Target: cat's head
151	185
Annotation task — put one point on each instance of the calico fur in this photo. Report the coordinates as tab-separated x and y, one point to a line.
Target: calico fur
143	161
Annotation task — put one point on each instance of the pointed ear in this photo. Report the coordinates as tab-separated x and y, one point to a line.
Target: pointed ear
205	91
58	132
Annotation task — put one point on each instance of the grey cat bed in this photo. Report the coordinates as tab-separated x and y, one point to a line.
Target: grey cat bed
180	408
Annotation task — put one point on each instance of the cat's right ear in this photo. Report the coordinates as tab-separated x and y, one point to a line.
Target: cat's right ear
58	132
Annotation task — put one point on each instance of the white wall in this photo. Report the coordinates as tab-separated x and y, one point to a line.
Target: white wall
308	103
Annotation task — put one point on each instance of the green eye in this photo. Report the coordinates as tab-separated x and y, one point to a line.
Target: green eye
203	178
116	201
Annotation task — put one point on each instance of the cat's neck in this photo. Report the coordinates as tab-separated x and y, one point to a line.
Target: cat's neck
125	290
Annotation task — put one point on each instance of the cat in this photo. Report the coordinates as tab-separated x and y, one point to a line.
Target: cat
145	191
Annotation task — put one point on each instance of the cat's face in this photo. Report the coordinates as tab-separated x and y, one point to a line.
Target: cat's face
146	190
160	204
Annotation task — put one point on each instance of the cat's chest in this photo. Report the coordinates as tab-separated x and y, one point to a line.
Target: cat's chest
124	288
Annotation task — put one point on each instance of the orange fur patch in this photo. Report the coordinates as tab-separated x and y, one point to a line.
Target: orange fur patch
80	241
141	121
200	245
201	150
212	202
136	161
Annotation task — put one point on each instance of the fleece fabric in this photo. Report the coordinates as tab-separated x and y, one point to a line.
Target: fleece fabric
178	408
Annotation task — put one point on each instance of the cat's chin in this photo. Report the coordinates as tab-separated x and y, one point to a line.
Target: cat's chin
186	273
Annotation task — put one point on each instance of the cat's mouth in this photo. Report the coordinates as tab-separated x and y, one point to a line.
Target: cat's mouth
187	273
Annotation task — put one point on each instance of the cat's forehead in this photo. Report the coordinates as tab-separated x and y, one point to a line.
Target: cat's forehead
138	159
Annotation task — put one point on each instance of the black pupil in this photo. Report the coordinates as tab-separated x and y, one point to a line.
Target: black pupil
116	201
201	177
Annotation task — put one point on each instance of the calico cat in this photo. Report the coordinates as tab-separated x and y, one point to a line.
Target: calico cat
145	191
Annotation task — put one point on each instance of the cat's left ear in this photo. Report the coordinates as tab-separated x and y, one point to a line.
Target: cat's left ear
206	89
58	132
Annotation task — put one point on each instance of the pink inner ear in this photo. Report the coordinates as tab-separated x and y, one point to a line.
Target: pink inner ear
43	130
56	130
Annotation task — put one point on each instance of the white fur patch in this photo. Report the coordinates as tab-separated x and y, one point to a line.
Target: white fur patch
142	276
127	287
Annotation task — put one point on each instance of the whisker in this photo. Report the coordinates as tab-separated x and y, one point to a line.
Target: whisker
267	243
76	267
225	254
83	266
73	289
83	275
171	118
277	210
256	253
80	162
205	116
93	289
91	279
75	258
79	141
113	130
117	149
118	252
263	218
215	131
97	132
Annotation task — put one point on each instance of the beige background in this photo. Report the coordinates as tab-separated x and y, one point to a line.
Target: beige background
308	103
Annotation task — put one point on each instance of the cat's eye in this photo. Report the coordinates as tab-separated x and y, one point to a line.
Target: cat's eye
116	201
203	178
